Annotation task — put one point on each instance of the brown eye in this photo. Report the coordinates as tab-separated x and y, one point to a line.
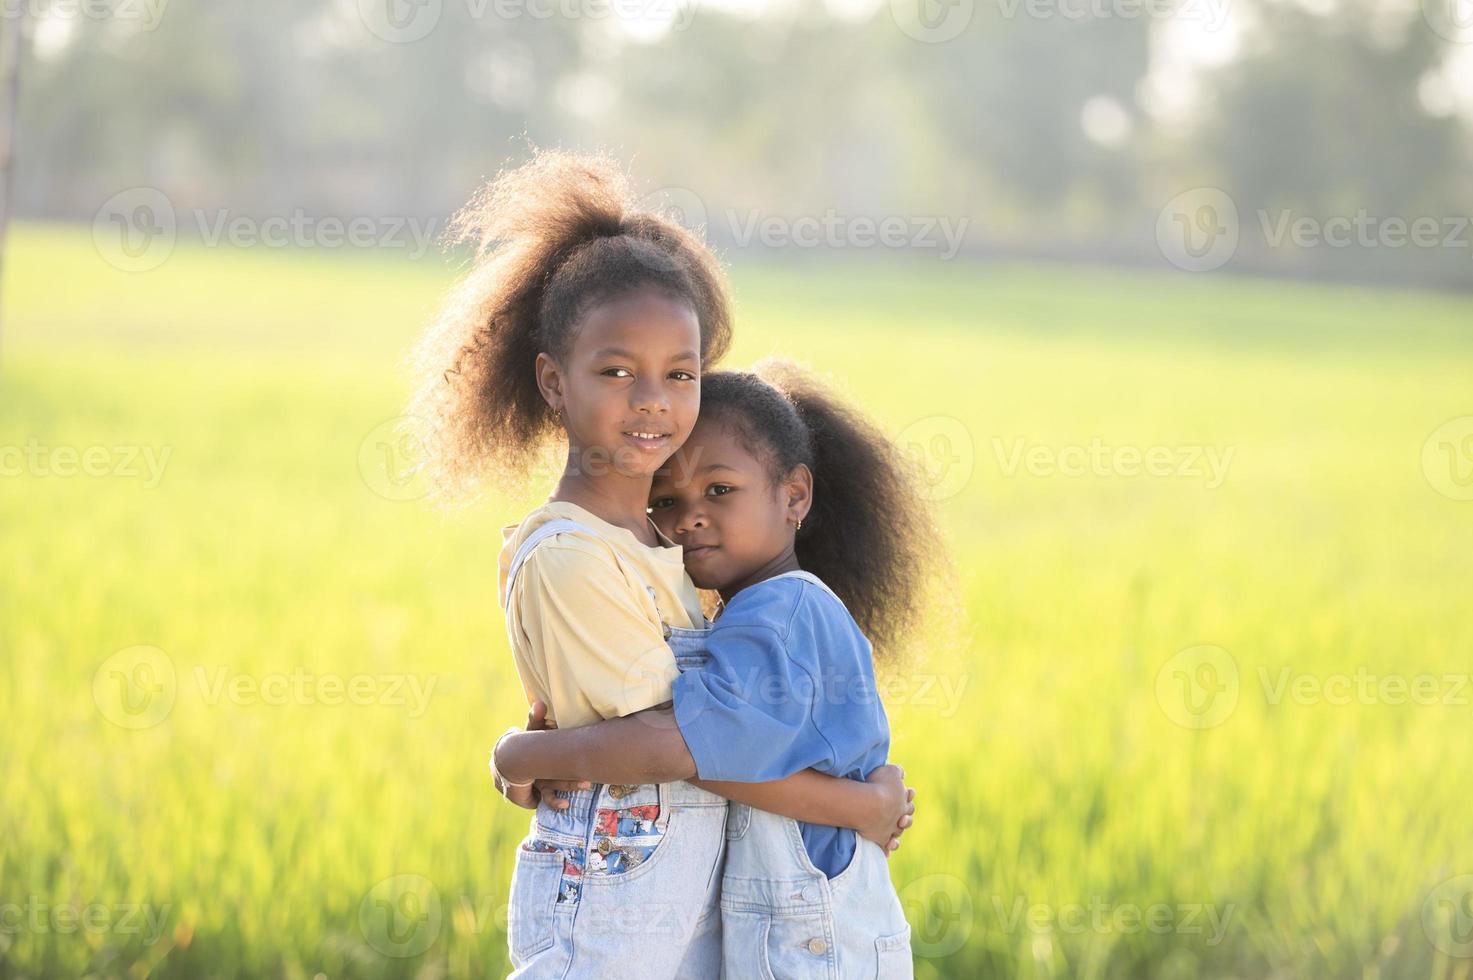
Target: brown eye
661	503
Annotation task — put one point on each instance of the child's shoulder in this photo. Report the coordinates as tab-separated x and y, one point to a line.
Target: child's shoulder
563	535
781	601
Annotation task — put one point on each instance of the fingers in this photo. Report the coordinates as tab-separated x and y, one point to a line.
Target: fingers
551	791
536	716
564	785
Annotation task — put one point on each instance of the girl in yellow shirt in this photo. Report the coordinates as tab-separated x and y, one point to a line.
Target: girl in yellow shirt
586	318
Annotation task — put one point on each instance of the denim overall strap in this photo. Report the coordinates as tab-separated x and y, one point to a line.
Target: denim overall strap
813	579
547	530
538	535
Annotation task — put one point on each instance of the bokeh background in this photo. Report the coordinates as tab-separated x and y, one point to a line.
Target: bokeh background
1167	296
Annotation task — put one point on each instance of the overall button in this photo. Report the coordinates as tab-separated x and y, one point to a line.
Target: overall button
618	792
604	845
817	946
810	894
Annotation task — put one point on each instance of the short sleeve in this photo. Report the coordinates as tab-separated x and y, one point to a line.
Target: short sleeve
753	723
599	641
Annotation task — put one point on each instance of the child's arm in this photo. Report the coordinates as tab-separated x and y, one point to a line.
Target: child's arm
882	801
650	749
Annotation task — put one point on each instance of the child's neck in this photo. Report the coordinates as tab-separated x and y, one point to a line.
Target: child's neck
618	498
787	561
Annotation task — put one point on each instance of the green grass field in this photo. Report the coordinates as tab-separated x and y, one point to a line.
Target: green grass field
1192	515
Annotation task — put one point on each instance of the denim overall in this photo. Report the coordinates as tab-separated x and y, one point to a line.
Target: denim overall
625	881
783	917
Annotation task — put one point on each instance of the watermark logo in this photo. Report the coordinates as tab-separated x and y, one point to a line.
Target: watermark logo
136	688
1447	458
1198	687
681	205
146	14
392	458
401	915
1210	13
41	461
399	21
96	920
932	21
135	229
1198	229
941	449
1451	20
1208	463
1447	917
940	910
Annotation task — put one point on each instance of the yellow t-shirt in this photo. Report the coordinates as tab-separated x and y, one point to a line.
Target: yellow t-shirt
585	633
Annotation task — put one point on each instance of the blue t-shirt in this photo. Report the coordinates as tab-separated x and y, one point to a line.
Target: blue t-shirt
790	685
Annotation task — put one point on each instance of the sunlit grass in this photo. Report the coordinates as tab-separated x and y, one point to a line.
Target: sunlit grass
1057	793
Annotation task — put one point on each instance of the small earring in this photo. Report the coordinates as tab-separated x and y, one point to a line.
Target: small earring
800	525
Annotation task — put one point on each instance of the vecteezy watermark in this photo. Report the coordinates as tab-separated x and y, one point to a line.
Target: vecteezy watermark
138	688
136	230
146	14
1212	13
1198	687
135	688
647	681
391	459
407	21
1197	230
1451	20
36	915
1191	462
1362	686
831	230
1447	916
941	449
936	233
1447	458
1200	230
1361	230
1201	686
932	21
124	462
1102	917
401	915
941	909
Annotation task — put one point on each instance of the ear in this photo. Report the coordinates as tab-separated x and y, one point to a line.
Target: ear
797	491
550	380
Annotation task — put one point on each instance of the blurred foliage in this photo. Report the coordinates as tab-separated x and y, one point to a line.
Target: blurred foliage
281	105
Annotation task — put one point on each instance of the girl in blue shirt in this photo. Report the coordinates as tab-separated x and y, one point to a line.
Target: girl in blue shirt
808	523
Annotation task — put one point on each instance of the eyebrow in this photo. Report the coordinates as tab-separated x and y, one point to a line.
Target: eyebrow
689	355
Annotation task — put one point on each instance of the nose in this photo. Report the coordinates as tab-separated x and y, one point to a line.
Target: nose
649	396
690	517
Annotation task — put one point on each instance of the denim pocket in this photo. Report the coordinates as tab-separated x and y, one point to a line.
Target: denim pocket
892	957
758	944
738	817
534	889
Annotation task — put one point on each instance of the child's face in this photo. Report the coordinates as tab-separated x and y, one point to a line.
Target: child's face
718	502
631	383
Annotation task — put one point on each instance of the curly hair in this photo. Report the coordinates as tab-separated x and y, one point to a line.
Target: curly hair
554	237
869	532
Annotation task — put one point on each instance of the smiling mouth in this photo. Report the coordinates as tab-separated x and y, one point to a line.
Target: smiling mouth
648	440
